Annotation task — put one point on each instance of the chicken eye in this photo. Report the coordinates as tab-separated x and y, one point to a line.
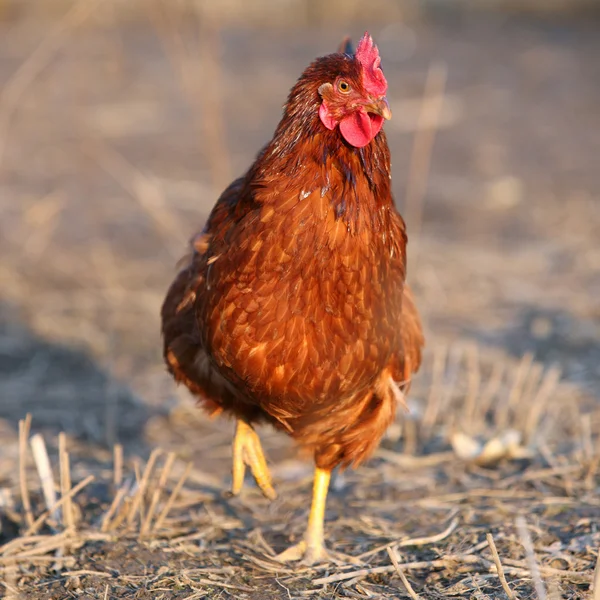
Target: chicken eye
344	86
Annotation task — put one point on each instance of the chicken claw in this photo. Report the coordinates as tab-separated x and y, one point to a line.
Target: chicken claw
248	451
307	555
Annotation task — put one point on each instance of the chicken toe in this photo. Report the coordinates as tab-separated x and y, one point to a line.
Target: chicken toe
247	451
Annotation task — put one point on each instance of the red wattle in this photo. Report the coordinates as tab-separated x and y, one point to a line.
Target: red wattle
360	128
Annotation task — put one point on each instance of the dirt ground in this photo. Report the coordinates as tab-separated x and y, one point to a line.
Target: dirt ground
115	138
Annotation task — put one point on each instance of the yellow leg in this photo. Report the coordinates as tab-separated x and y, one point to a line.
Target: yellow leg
248	451
312	548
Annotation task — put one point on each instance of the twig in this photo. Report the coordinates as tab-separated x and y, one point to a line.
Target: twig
431	539
42	462
157	492
165	511
65	482
42	518
24	428
499	569
534	568
38	60
421	541
392	554
142	485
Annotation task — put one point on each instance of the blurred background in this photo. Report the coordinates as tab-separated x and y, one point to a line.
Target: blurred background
121	121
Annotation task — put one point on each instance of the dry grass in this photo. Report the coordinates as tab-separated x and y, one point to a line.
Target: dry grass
487	489
464	533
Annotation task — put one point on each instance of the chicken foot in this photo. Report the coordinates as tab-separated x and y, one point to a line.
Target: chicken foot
247	451
311	549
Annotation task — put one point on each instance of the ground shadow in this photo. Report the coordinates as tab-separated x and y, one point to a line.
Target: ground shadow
553	337
65	389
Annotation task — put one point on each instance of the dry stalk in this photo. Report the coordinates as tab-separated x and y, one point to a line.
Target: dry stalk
516	392
165	511
491	389
24	428
116	503
42	462
393	557
499	569
530	387
440	354
534	568
146	526
118	465
42	518
547	388
142	486
65	482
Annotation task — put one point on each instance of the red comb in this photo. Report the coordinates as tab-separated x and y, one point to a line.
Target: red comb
368	56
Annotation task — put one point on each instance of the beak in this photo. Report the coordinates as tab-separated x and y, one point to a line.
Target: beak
380	107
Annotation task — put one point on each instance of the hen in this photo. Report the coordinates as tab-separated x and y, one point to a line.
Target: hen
293	308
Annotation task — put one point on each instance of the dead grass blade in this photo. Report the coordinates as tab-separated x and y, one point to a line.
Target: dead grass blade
547	388
499	568
42	462
142	486
534	568
516	392
421	541
116	503
411	592
24	428
432	408
118	465
176	490
65	482
145	529
42	518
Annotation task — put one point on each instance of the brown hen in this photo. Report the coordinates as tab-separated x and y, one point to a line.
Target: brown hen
293	308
